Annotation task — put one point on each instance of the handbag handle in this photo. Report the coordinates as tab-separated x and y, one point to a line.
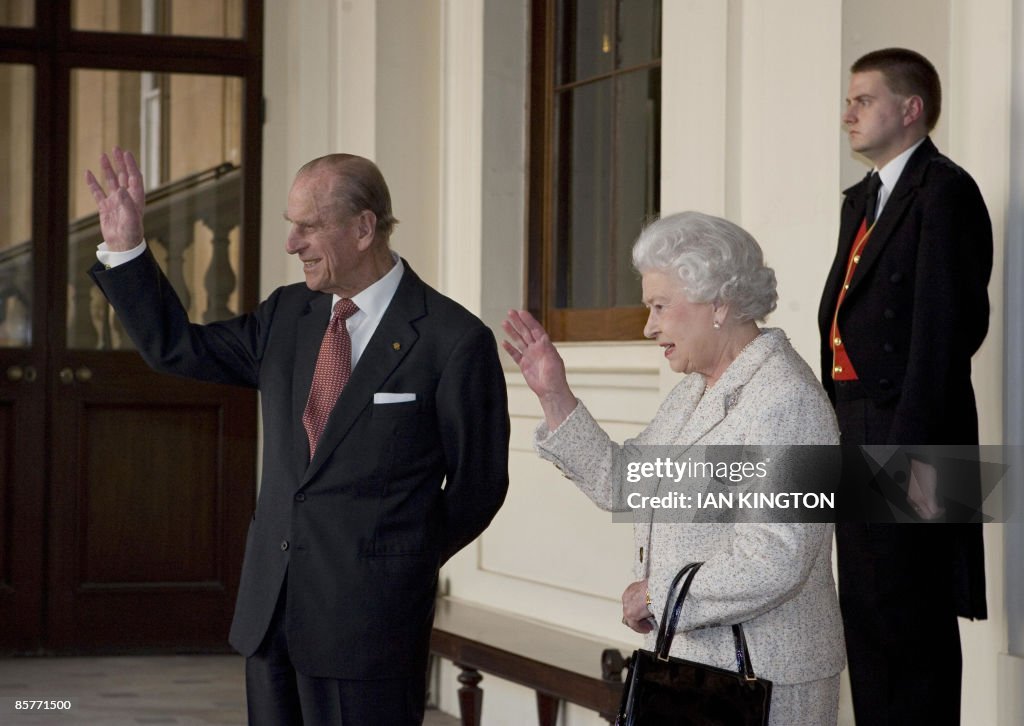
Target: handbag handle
670	616
670	620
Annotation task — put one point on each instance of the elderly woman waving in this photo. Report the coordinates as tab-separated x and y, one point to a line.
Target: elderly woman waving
706	285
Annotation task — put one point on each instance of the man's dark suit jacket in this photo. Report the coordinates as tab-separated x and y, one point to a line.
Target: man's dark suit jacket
916	312
362	529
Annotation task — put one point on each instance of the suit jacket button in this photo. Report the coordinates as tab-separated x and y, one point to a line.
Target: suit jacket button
885	384
284	545
888	348
300	497
889	314
896	278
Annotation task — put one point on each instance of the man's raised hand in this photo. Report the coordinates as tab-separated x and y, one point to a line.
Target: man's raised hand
121	207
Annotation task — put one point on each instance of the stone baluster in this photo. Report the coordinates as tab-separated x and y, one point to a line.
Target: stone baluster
220	279
178	238
123	341
82	332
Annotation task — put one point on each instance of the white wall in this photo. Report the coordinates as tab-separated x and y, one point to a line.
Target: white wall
408	133
435	91
360	77
1012	662
745	110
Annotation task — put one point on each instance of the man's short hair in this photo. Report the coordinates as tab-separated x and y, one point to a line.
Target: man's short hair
907	73
356	185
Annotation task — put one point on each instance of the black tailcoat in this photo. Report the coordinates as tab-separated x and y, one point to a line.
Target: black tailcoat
915	313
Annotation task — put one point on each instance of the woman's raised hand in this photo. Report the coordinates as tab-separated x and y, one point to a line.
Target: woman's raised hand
542	367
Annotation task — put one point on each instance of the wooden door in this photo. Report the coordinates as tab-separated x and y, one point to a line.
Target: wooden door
23	458
124	494
151	496
22	482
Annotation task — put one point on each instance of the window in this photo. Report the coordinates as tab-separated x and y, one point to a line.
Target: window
179	83
595	108
208	19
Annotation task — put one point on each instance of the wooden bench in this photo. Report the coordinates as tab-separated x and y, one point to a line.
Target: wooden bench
559	665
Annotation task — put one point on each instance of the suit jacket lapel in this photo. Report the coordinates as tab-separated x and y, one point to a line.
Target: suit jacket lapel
854	207
390	343
715	404
705	413
900	200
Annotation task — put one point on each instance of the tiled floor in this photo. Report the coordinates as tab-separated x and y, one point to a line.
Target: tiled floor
129	690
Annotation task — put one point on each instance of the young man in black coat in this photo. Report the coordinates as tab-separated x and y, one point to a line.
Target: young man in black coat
904	309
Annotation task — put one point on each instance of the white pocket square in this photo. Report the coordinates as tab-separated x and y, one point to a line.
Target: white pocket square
393	397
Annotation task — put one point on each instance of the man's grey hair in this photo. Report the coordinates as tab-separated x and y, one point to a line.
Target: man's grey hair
715	260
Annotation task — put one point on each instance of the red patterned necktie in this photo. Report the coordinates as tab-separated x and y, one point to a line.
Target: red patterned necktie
333	367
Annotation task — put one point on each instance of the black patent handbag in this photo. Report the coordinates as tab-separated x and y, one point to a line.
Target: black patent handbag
664	691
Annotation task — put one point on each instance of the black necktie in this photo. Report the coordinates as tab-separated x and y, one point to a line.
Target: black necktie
874	184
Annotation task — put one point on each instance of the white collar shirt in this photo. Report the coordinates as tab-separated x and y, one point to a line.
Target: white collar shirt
890	174
372	302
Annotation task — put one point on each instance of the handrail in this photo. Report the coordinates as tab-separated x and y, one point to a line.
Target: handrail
212	197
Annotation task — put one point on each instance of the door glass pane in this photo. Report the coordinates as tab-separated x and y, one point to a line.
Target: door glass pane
638	171
583	164
639	36
16	126
186	132
585	39
17	13
205	18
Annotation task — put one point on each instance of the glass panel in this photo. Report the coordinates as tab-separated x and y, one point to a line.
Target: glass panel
585	37
639	32
17	13
17	90
185	130
583	165
637	172
205	18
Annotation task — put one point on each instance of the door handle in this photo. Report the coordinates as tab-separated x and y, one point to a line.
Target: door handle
68	376
22	373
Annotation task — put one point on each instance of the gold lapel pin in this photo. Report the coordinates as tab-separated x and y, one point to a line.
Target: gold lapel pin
396	345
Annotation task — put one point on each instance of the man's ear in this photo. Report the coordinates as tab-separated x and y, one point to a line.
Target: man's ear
913	110
366	229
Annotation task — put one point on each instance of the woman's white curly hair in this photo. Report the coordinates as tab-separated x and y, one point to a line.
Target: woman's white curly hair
716	262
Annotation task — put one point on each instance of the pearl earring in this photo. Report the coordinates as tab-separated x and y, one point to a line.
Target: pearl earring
717	325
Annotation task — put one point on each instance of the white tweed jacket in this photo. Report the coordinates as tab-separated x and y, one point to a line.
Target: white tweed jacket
775	579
